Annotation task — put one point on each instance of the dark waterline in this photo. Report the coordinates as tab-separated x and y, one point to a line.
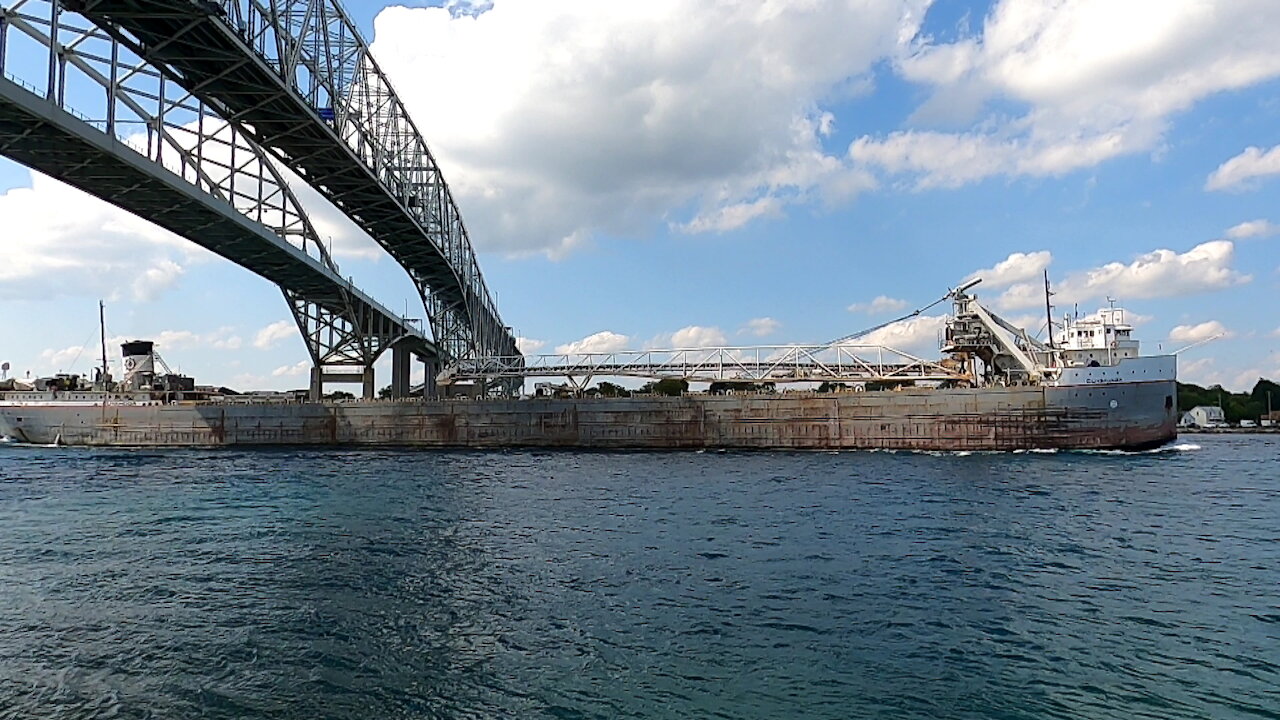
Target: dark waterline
401	584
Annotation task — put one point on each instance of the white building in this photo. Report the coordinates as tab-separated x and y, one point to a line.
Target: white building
1203	416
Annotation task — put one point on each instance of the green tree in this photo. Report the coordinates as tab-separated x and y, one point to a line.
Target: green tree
608	389
1235	406
727	386
666	386
1260	391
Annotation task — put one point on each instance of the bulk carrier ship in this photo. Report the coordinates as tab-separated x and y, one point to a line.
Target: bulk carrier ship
996	388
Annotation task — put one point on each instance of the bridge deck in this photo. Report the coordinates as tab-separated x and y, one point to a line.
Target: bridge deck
38	134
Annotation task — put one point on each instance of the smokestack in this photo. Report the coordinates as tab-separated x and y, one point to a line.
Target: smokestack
139	363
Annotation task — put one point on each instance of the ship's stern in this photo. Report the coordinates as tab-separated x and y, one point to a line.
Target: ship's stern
28	424
9	424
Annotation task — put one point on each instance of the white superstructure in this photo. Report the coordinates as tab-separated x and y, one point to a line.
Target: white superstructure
1096	349
1101	339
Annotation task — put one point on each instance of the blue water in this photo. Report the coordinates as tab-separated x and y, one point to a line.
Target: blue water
347	584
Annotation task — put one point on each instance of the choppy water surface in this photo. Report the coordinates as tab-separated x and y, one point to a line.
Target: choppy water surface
303	584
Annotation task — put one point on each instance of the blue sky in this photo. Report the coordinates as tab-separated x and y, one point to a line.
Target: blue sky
680	172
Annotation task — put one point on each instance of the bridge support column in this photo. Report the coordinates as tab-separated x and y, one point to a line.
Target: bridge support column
319	377
401	364
316	393
429	389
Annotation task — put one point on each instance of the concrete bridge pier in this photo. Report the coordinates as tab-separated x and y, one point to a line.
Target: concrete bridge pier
401	364
364	378
431	366
317	384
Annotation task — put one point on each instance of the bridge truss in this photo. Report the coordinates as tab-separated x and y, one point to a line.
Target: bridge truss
77	106
192	113
297	77
775	364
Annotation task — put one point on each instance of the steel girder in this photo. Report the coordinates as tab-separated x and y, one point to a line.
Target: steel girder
757	364
158	152
297	77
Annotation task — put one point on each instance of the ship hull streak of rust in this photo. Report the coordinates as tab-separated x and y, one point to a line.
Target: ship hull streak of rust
1120	415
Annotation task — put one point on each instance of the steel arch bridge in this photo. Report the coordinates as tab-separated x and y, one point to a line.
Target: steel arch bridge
196	114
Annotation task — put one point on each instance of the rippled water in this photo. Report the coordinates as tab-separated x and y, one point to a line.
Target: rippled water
302	584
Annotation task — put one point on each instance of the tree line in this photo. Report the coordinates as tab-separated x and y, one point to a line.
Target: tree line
1235	406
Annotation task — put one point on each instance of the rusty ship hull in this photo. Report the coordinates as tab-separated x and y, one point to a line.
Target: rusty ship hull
1123	415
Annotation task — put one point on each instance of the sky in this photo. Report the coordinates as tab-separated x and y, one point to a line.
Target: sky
676	173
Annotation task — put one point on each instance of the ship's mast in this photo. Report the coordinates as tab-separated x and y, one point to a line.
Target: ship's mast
102	331
1048	310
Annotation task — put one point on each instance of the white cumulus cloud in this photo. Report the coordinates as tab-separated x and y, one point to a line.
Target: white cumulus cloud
881	304
1070	84
732	217
1159	273
302	367
79	358
1242	171
562	119
1200	332
760	327
224	338
601	342
1021	295
529	346
917	336
1202	372
60	241
1252	229
1018	267
696	336
269	336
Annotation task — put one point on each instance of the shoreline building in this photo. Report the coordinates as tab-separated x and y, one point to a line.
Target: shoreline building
1203	416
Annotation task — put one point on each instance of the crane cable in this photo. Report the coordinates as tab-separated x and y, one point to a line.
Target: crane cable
950	294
